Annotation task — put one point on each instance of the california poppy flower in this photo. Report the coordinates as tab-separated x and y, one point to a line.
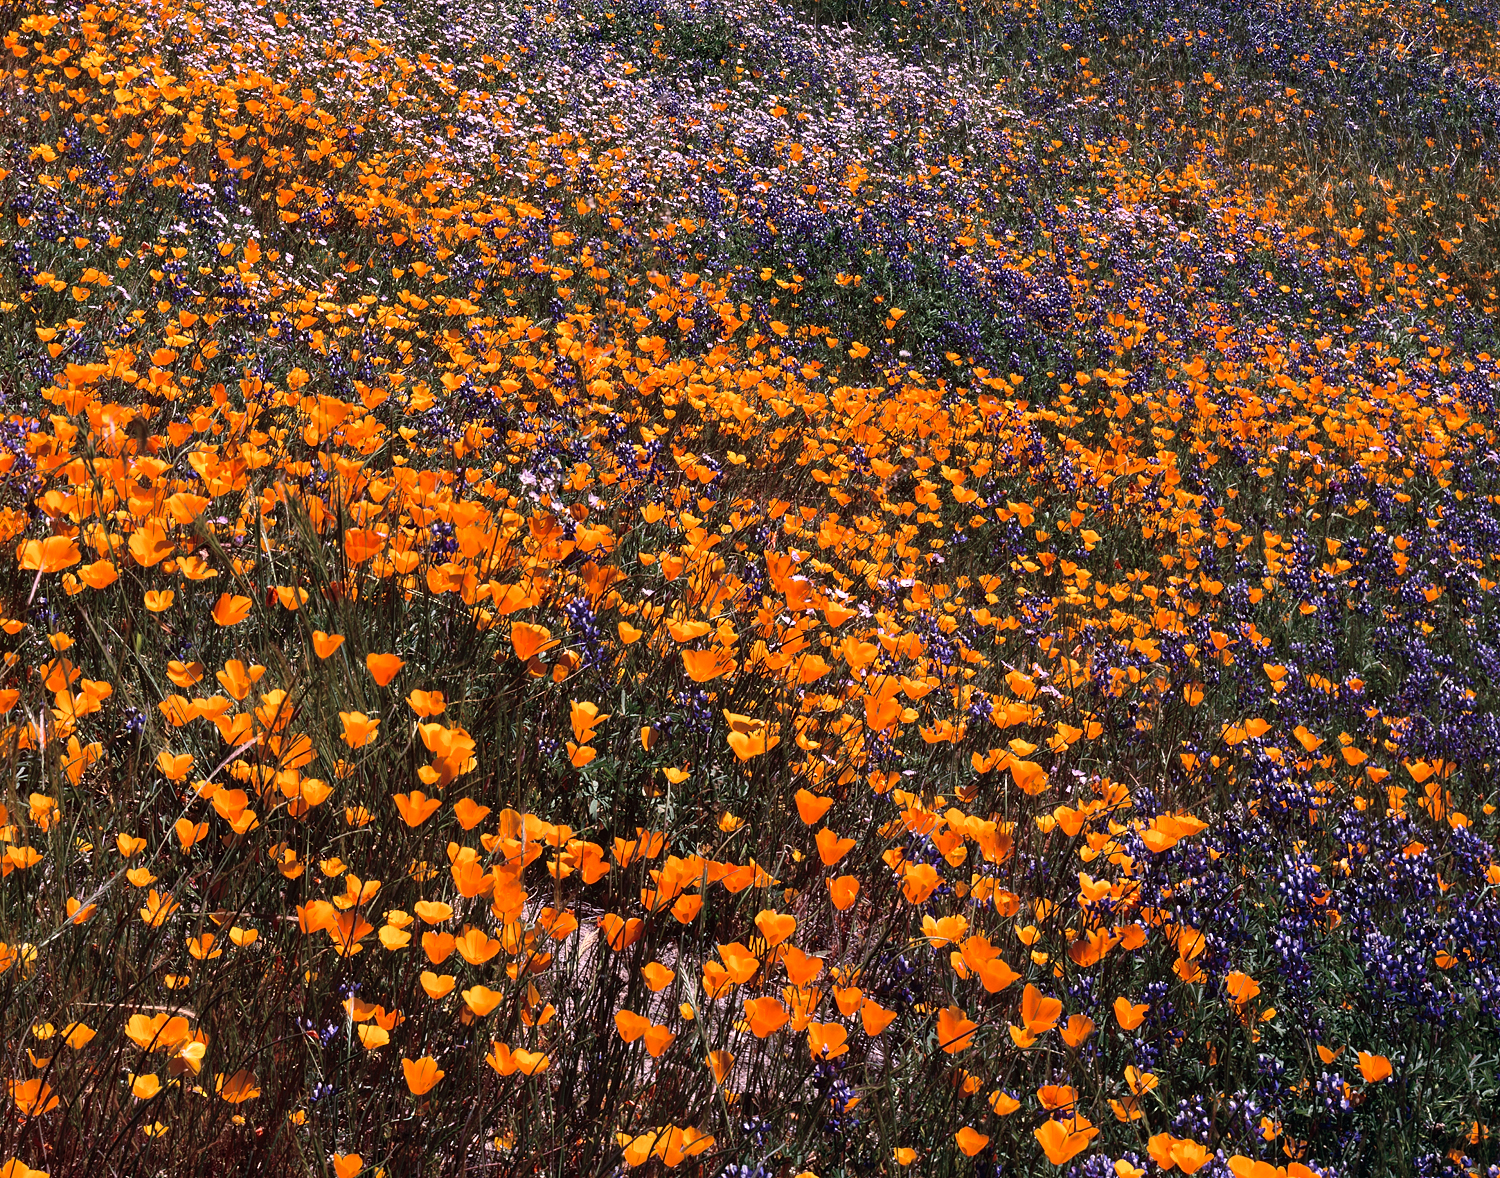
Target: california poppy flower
359	729
32	1097
955	1032
1128	1014
383	667
422	1074
776	927
1064	1140
231	609
51	555
843	891
416	807
827	1040
1374	1068
237	1088
765	1016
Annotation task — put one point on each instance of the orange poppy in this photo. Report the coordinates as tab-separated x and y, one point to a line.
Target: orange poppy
238	1088
383	667
416	808
421	1074
230	610
765	1016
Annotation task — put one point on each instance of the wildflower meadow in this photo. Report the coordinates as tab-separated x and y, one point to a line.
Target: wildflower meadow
850	587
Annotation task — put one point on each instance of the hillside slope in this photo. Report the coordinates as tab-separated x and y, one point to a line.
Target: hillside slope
845	589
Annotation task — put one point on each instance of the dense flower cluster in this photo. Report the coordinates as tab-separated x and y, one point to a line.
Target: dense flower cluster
750	590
